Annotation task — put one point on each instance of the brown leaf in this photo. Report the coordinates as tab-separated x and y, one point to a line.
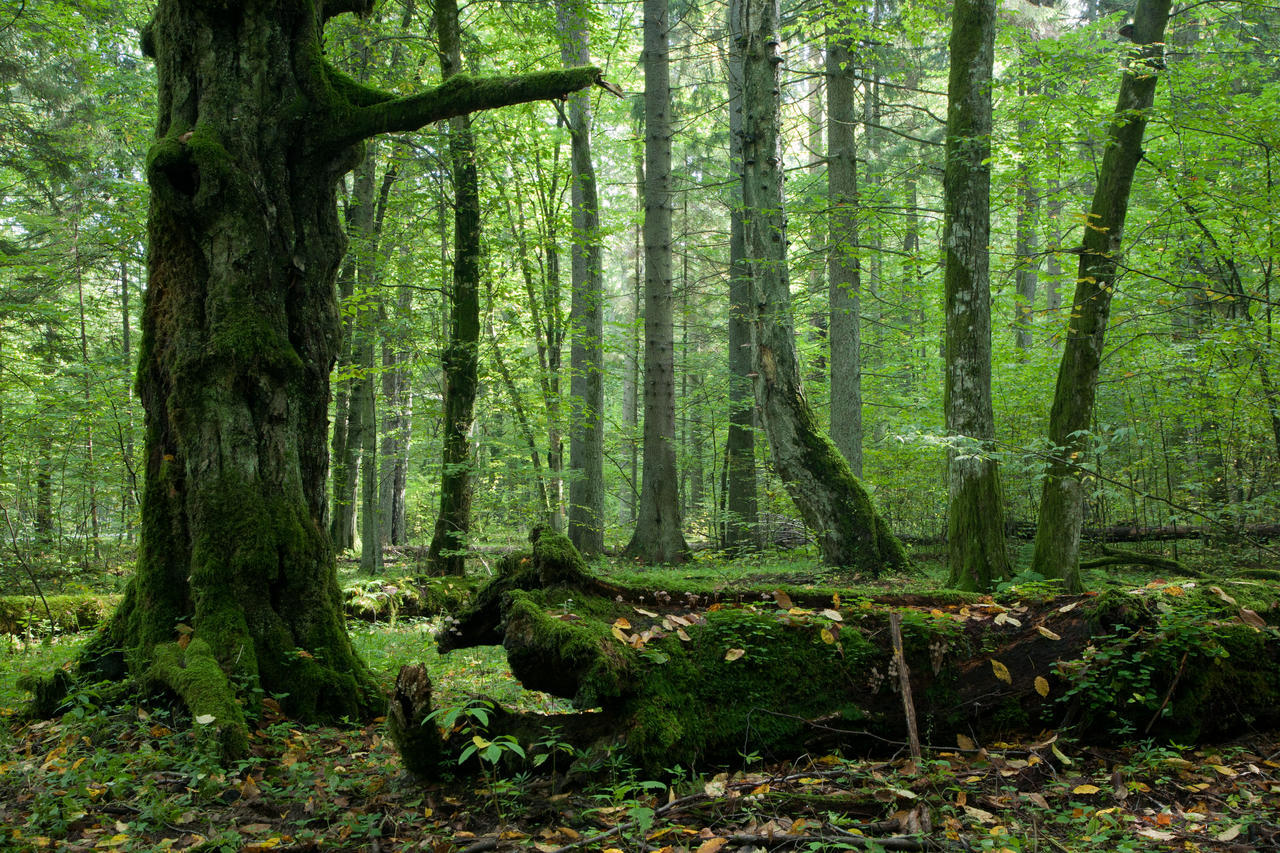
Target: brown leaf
1252	619
784	600
1047	634
621	622
1042	686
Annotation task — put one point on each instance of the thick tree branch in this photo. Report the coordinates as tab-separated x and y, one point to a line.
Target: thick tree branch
333	8
459	95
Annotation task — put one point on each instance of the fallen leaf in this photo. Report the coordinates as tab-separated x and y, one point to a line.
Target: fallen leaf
980	815
784	600
1067	608
1217	590
1047	634
619	634
1001	671
827	636
833	615
1156	834
205	719
1042	686
644	612
734	654
1229	835
1251	618
1085	789
966	743
682	634
622	623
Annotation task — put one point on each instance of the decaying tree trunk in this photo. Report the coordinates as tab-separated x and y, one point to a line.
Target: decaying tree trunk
699	677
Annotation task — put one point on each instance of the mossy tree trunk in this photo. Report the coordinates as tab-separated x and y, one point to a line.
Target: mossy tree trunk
658	537
1057	546
236	588
975	513
709	676
447	554
829	497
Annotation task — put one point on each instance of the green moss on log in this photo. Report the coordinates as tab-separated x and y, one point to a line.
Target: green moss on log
194	675
20	614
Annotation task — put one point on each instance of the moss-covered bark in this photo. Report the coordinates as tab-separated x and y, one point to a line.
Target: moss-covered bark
682	684
1057	546
817	476
240	330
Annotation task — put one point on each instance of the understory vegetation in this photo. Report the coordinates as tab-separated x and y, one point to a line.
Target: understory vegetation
115	772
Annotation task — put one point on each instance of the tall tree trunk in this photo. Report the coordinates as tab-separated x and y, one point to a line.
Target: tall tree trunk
1026	211
658	537
447	553
397	392
586	312
129	490
1057	546
631	401
240	329
832	501
740	491
843	267
975	508
349	425
90	472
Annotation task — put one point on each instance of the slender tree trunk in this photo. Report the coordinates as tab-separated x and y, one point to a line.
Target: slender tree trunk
586	313
129	490
843	266
397	392
447	553
236	594
975	509
90	473
631	403
1026	211
658	537
833	503
740	446
1057	546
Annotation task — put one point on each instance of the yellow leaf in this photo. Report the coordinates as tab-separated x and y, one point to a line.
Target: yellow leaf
1042	686
1061	756
618	634
1067	608
827	636
1046	633
1225	771
1085	789
1001	671
480	742
734	654
621	622
966	743
711	845
682	634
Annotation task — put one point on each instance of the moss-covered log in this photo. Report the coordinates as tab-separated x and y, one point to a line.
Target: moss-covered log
778	675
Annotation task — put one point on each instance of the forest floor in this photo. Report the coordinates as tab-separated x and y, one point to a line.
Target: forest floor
109	775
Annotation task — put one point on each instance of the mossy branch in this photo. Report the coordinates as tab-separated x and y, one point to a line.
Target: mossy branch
459	95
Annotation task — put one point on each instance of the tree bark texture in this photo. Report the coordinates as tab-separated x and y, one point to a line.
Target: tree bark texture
586	311
236	589
740	533
447	555
1057	545
975	511
658	537
843	267
817	477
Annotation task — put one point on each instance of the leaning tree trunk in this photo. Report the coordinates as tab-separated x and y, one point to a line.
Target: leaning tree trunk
1057	547
236	591
658	537
832	501
975	511
447	554
586	312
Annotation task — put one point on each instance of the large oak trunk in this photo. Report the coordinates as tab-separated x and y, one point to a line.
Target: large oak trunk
236	592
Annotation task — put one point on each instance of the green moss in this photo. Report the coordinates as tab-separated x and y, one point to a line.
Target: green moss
194	675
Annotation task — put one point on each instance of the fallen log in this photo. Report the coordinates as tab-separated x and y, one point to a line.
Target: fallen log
681	679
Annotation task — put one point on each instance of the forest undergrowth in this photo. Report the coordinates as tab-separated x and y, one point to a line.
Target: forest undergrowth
114	774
